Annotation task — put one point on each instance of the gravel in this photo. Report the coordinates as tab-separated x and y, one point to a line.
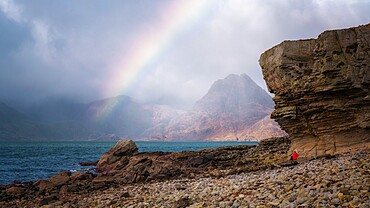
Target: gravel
342	181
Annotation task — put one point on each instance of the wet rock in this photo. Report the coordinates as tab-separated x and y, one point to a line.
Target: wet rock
91	163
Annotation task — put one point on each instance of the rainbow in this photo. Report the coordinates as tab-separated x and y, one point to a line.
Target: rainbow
149	46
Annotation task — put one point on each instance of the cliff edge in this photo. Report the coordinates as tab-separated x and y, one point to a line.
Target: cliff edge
322	90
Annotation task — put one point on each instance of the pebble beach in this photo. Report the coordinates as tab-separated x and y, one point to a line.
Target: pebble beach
339	181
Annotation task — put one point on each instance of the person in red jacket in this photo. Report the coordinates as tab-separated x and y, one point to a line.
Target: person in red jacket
294	156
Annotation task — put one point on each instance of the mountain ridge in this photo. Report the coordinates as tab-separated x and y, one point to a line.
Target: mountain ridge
226	112
218	115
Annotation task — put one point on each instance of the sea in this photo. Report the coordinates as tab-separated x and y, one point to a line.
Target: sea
33	161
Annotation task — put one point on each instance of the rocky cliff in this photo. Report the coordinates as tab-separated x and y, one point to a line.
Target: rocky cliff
322	92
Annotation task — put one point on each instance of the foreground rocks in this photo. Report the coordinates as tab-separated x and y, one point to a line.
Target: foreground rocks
123	165
322	90
128	166
335	181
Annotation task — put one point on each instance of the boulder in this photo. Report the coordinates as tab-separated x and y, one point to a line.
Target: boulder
182	202
322	90
44	185
89	163
15	190
80	176
54	181
60	179
118	156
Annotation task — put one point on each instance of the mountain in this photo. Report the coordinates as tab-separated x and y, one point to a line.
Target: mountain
235	108
17	126
54	109
228	111
106	119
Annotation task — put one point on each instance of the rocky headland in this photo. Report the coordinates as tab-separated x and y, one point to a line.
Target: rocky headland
322	90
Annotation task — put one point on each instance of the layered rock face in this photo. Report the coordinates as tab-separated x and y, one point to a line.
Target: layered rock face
322	90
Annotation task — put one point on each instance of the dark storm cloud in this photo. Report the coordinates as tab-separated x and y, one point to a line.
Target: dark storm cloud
68	48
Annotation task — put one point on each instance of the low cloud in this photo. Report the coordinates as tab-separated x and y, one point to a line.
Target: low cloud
68	48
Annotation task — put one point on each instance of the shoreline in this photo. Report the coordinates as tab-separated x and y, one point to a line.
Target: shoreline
39	161
340	180
268	180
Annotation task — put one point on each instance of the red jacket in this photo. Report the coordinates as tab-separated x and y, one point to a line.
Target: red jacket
295	155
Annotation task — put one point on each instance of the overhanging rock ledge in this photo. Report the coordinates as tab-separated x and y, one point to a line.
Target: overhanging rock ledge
322	90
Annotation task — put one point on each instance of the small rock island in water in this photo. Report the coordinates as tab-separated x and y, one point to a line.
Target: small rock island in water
322	102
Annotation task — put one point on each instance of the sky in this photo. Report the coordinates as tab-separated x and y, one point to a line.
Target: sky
165	51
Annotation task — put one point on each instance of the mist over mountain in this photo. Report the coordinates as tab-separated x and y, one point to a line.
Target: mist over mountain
17	126
228	111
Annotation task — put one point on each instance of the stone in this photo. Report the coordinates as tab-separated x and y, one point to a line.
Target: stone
117	157
90	163
289	163
48	199
154	166
79	176
44	185
60	179
125	195
292	198
54	181
335	201
322	93
182	202
15	190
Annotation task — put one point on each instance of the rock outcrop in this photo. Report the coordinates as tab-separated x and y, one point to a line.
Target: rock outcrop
123	165
209	162
118	155
322	90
